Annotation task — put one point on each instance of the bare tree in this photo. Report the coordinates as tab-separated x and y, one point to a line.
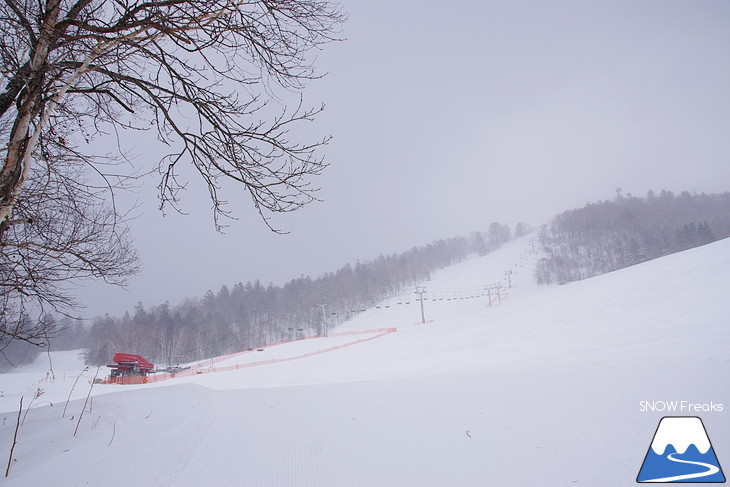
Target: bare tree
196	73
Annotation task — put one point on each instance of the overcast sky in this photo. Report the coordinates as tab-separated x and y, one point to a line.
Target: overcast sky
447	116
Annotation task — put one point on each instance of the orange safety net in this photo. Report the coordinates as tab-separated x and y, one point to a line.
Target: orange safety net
202	368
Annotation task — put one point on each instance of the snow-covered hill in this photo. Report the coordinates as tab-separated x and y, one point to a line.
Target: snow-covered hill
548	386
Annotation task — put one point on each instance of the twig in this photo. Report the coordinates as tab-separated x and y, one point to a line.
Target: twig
48	350
72	390
38	393
114	432
87	400
15	438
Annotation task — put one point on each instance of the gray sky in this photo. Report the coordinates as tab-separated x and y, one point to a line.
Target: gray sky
447	116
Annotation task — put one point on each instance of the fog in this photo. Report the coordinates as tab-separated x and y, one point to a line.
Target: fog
447	117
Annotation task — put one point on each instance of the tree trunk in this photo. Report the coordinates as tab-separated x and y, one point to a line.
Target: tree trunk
16	166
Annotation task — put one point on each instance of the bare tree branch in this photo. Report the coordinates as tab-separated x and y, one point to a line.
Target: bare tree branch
197	73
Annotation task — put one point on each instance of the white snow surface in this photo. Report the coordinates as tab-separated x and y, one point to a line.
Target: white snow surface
542	389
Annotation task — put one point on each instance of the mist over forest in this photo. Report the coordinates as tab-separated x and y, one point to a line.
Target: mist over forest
253	315
577	244
610	235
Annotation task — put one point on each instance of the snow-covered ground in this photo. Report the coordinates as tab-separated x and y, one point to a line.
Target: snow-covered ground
544	388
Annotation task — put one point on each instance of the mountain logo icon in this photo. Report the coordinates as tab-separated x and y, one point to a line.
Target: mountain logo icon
681	452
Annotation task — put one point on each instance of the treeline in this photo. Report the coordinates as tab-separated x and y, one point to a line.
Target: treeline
252	315
610	235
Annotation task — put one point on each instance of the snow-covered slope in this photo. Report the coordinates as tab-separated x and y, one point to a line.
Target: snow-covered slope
543	388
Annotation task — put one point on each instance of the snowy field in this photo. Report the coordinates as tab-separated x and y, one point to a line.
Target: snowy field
544	388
